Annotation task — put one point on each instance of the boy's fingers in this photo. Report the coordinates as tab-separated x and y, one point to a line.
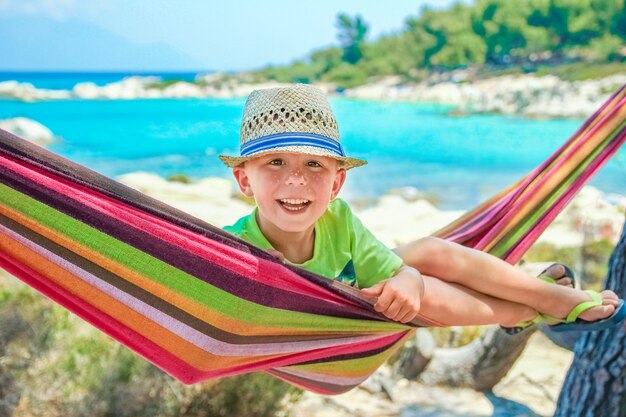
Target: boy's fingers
410	315
384	299
406	313
395	310
375	290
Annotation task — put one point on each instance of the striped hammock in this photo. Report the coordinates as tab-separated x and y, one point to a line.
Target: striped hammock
200	303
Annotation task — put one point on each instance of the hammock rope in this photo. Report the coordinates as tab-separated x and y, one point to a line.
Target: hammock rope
201	303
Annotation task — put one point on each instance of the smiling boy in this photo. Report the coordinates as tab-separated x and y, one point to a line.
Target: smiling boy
292	163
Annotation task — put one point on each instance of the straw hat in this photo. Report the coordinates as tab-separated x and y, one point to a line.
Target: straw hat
296	119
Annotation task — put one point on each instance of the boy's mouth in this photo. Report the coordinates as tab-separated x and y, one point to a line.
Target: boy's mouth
294	204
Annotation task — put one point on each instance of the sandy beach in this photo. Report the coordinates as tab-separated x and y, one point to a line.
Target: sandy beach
530	389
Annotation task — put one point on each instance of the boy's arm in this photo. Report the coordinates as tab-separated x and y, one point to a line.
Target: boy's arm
399	297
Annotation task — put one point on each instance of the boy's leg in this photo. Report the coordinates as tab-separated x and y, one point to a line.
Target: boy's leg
455	305
491	276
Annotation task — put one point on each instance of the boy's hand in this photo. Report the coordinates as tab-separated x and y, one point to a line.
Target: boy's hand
400	296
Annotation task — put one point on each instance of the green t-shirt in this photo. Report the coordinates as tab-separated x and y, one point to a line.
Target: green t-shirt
344	249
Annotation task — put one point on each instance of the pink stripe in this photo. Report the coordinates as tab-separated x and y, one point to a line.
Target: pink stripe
325	378
159	356
197	338
146	348
385	342
306	384
534	233
223	255
524	200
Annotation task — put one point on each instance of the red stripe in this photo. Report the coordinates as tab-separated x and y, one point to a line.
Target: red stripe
244	264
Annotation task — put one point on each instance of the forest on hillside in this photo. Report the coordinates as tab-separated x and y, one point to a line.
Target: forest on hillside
493	35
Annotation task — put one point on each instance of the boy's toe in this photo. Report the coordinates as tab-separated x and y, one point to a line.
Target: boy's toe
555	271
564	281
598	313
559	274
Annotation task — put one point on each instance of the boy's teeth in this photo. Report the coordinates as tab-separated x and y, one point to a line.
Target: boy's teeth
293	201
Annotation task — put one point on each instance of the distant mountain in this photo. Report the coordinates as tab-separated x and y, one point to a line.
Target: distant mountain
38	43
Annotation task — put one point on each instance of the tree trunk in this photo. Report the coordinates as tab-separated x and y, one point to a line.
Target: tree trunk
596	382
479	365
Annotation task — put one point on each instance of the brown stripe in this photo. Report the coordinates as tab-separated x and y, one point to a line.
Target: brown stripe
130	319
271	335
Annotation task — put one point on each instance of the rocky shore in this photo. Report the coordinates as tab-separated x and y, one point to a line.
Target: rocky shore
526	95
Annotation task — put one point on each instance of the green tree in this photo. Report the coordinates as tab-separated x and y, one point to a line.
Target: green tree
324	60
351	35
427	32
573	24
447	38
391	55
504	27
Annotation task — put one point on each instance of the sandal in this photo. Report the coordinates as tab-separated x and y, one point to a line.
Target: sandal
572	323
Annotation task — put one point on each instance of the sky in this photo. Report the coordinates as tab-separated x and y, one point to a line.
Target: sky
142	35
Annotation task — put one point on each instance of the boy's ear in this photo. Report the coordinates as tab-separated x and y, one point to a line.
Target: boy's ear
243	180
340	178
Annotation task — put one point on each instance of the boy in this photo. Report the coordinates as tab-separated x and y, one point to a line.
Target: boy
292	163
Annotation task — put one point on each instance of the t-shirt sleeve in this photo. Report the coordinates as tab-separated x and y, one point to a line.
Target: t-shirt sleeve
373	261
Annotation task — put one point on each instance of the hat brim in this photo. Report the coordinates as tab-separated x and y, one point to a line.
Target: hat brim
344	162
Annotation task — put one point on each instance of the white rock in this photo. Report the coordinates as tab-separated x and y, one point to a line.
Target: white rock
87	90
28	129
28	92
512	94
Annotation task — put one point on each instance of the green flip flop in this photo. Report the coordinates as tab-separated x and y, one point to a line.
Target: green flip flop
572	323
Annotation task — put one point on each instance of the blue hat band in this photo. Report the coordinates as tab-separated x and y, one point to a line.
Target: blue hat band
279	140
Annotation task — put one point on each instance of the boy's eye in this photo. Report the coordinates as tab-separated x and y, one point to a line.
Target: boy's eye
276	162
314	164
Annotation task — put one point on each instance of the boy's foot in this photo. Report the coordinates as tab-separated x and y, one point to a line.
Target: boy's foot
556	273
605	310
587	306
591	310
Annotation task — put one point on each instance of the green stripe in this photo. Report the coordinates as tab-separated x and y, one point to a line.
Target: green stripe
181	282
513	237
362	364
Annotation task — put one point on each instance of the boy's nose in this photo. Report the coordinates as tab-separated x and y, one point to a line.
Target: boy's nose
296	177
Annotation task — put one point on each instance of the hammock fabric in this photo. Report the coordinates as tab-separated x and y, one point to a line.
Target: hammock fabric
200	303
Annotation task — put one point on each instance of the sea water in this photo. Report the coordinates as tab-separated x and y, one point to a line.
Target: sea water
459	161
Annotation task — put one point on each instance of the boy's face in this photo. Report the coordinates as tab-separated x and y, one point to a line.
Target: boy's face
291	190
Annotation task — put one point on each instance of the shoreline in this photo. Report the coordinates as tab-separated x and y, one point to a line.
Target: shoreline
525	95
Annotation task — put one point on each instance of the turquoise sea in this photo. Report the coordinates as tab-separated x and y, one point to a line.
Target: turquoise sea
459	160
